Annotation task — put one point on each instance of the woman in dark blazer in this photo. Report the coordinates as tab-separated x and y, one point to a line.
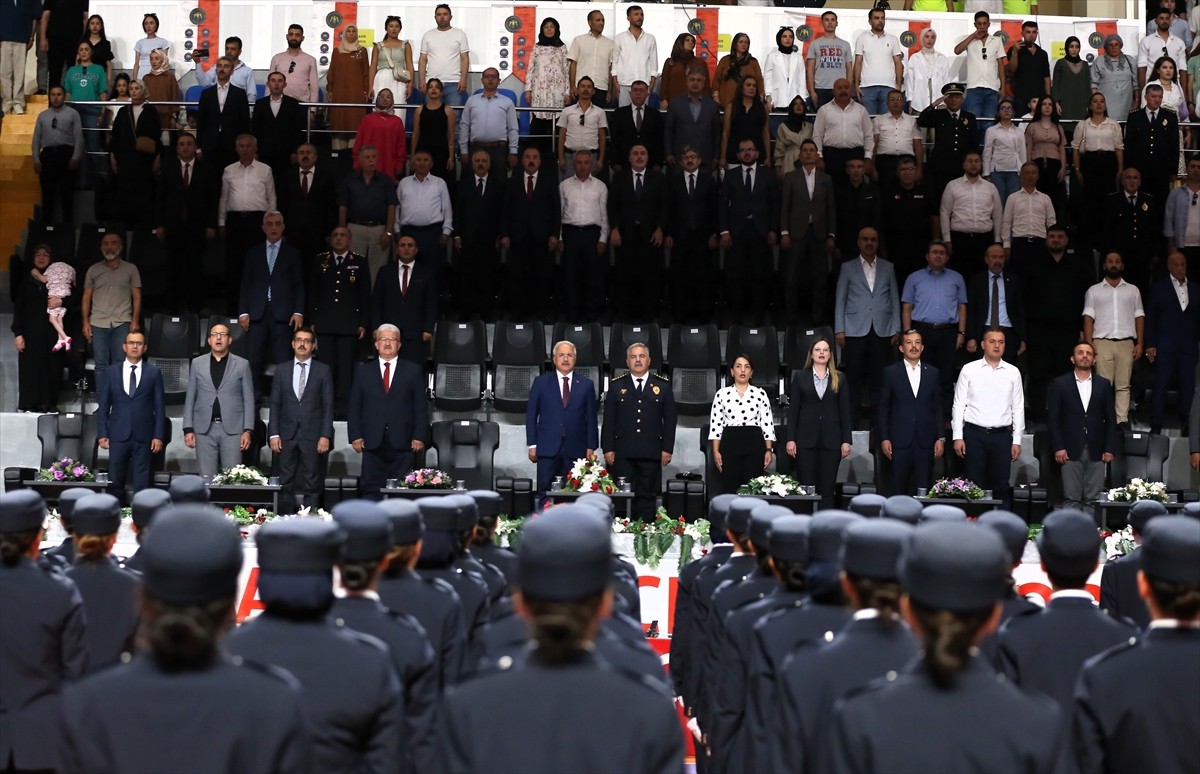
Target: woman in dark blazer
39	371
133	168
819	420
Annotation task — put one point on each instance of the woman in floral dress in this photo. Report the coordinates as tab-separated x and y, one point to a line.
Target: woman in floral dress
547	85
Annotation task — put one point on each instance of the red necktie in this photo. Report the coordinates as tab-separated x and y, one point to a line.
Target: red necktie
303	182
566	391
529	186
387	377
404	280
187	174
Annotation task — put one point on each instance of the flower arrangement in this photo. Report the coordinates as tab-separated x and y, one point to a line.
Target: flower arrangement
66	469
1117	544
956	489
774	484
589	475
508	531
308	513
427	478
651	540
1137	489
240	475
245	516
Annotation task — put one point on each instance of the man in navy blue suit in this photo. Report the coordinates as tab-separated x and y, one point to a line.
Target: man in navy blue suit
910	417
271	298
1082	421
388	418
560	422
1172	333
406	296
131	416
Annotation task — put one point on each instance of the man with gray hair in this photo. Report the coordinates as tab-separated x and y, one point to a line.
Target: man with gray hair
639	429
271	300
560	421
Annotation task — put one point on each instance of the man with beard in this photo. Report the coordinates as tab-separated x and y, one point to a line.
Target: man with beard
1053	290
1083	427
1113	323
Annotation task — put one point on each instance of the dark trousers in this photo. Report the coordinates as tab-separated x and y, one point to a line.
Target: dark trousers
941	349
969	250
693	277
549	467
742	453
339	353
747	269
243	230
1048	356
989	460
59	57
186	244
581	297
645	476
380	464
128	459
1174	365
912	468
299	469
1193	261
58	183
530	283
1024	251
819	467
429	251
864	358
600	98
835	161
541	135
885	169
477	262
268	341
823	96
807	269
636	257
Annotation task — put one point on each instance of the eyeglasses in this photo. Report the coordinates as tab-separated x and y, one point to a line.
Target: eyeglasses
217	335
291	68
394	341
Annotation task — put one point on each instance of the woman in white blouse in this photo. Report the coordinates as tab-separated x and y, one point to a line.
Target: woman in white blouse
925	73
1100	155
783	72
819	421
1004	151
741	428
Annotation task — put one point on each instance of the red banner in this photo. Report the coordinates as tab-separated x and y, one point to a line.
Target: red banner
524	40
208	31
348	13
706	41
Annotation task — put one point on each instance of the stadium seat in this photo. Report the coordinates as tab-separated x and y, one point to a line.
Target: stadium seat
1140	455
796	343
517	494
695	353
68	435
524	117
192	95
466	449
238	343
87	250
621	335
171	345
149	254
59	237
258	440
588	339
460	365
518	357
761	345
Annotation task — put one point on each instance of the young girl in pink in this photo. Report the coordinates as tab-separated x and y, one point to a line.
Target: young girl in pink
59	277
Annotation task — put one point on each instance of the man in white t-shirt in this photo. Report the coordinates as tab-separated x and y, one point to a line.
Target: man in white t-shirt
445	55
986	72
877	65
635	56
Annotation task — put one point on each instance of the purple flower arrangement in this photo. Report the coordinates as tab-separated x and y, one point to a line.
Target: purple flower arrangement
427	478
66	469
956	489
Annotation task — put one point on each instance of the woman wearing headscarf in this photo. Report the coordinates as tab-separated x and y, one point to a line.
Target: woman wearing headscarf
548	84
161	86
1115	76
1071	86
675	69
348	80
926	72
734	68
784	73
794	130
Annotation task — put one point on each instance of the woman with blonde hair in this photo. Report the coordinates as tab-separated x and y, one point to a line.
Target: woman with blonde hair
819	420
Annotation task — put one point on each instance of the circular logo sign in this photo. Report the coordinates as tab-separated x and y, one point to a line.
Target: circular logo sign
333	20
504	40
804	34
189	32
908	38
1003	38
1090	58
504	65
324	61
512	24
187	45
696	27
1096	40
504	52
197	16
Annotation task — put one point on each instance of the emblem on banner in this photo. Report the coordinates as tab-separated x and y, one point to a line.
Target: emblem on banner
1096	40
333	20
512	24
908	38
696	27
804	33
197	16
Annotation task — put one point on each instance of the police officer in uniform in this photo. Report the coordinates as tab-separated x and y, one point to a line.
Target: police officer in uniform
432	602
1013	530
353	695
189	488
468	518
953	576
440	549
639	429
489	504
63	554
144	506
1119	592
339	310
368	541
955	132
182	702
111	595
627	598
1044	652
41	637
1137	702
617	723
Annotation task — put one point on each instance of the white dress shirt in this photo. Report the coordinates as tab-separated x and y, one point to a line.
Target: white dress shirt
242	77
246	188
1105	136
1181	292
868	268
634	59
1113	309
126	368
584	203
972	208
593	56
1003	148
424	203
848	127
1027	214
896	134
1085	390
392	373
296	369
913	370
989	396
1150	48
585	136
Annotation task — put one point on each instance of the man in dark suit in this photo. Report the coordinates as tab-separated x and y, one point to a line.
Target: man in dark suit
636	124
1132	226
271	298
1119	595
701	132
1172	333
388	417
956	131
692	238
278	124
857	201
808	229
637	210
639	429
222	115
529	232
339	311
994	300
405	296
131	416
477	237
911	417
1081	420
307	197
560	422
1152	147
301	423
188	191
748	216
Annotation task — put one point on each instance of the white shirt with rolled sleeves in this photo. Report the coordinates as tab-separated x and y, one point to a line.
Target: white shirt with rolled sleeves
423	203
1150	48
1027	214
246	188
584	203
848	127
634	59
971	208
1113	309
989	396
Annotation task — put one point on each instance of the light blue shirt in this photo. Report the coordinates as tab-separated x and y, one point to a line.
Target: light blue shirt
487	119
242	77
1005	321
1175	220
935	296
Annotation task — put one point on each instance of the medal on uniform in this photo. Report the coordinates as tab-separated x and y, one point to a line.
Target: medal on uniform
1145	207
654	389
1164	122
623	390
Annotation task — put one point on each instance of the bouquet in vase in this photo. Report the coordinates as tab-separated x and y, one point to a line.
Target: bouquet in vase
1137	489
589	475
1117	544
956	489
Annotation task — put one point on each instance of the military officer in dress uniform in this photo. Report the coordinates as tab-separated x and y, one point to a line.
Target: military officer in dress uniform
1045	652
953	575
639	429
41	639
111	595
617	723
955	133
63	554
144	506
339	310
1137	702
353	695
483	545
368	541
1133	227
1119	594
182	702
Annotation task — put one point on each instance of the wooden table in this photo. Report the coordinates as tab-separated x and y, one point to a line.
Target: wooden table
245	494
1102	509
623	501
972	507
52	490
802	504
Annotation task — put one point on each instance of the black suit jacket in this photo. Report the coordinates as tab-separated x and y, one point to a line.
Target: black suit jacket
309	217
413	314
1167	325
278	135
477	219
624	135
1152	148
906	419
637	216
702	134
401	413
1071	427
979	309
952	139
761	204
308	417
216	129
123	141
691	213
1131	229
286	283
813	420
531	220
195	205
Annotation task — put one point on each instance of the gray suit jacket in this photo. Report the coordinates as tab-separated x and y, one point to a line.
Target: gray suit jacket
796	207
308	417
236	394
857	309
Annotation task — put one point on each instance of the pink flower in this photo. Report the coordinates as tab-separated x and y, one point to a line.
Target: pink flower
58	475
436	480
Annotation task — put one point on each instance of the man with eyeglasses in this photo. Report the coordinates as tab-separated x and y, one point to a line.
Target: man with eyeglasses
278	124
57	152
1162	43
219	409
582	126
131	417
299	67
301	424
986	67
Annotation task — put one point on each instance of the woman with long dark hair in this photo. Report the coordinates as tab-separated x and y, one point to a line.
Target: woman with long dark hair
1046	146
433	130
745	118
392	62
102	53
1099	159
741	428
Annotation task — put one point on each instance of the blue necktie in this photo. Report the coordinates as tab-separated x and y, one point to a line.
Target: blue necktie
271	250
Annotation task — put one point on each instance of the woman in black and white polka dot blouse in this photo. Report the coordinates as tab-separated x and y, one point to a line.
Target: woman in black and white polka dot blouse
741	428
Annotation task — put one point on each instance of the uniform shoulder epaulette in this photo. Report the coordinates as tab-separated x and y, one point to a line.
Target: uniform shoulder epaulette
270	670
662	376
625	375
1116	650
